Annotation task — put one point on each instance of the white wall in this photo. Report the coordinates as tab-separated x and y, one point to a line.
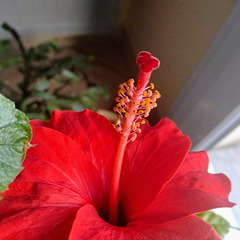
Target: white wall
53	18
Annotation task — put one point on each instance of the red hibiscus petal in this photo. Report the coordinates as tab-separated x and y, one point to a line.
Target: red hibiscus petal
56	181
31	223
153	160
88	225
94	134
189	228
38	123
195	161
186	194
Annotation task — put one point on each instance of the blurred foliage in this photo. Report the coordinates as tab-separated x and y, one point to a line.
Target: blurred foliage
45	76
220	224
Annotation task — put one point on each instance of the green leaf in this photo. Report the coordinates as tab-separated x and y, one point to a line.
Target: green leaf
10	62
15	135
66	104
37	115
42	85
220	224
90	97
4	46
70	75
45	96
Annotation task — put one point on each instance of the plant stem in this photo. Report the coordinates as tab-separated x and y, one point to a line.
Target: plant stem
236	228
26	62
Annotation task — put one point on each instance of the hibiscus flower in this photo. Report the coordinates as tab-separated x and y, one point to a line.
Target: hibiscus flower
85	179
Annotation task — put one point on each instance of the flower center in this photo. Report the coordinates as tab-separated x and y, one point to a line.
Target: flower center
133	105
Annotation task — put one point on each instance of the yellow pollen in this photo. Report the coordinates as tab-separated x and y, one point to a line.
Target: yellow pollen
141	111
152	85
143	122
143	103
118	105
145	93
120	92
156	91
115	109
138	125
126	115
135	102
122	110
148	100
135	111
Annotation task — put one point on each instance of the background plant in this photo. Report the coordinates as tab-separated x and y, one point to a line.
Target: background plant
45	76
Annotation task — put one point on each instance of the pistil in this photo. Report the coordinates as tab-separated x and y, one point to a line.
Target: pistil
133	104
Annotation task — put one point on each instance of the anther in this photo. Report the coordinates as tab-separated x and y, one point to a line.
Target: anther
127	99
130	93
134	126
149	93
120	93
154	105
122	101
134	136
156	91
152	85
131	83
